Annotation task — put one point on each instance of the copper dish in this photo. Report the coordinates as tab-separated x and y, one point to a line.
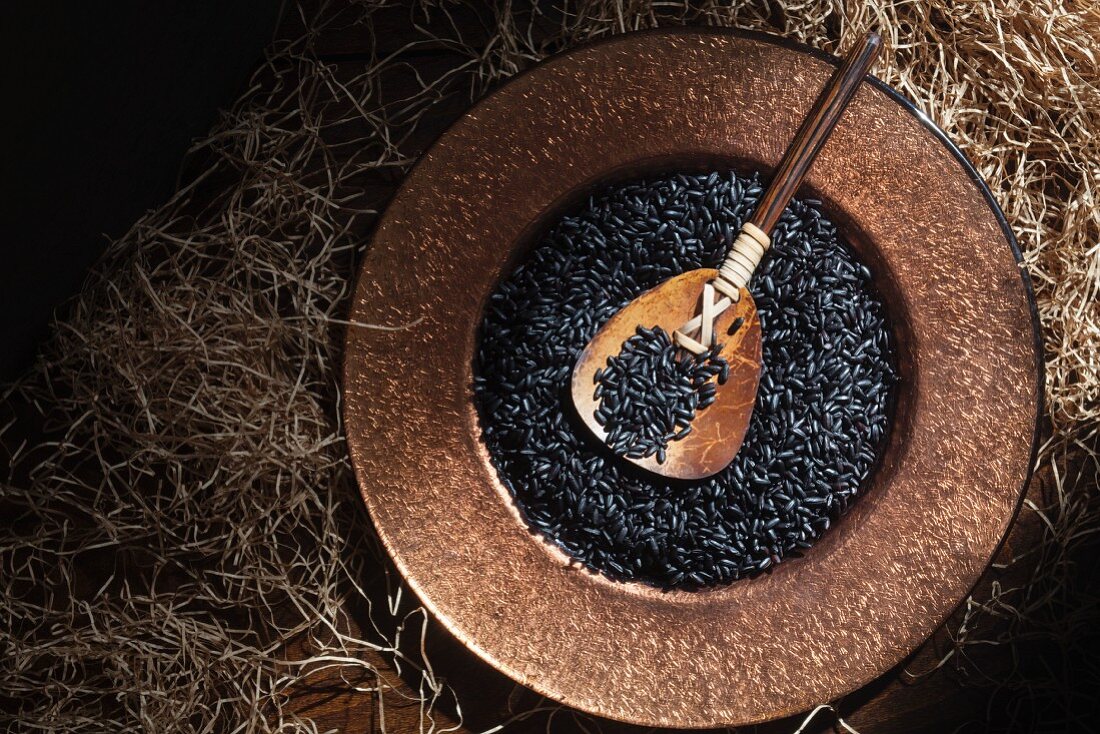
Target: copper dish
872	588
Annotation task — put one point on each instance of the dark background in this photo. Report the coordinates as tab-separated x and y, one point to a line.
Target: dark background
100	102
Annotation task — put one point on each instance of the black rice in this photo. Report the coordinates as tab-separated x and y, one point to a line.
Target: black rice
649	393
821	412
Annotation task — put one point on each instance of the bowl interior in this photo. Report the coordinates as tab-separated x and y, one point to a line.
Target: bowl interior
886	287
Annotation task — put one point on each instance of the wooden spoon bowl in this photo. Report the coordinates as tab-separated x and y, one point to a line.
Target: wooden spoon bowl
718	431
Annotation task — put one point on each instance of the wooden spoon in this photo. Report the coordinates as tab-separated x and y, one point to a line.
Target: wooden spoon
699	307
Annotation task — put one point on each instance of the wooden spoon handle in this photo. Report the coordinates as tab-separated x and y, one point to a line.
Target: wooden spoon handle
815	130
755	237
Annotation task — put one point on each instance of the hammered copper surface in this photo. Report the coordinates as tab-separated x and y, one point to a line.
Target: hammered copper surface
874	586
716	432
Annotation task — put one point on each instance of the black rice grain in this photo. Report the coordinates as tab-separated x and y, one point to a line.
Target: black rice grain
821	412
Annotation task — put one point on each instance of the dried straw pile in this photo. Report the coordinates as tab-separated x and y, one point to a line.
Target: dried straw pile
185	544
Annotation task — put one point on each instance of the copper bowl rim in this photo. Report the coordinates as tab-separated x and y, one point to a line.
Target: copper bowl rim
359	439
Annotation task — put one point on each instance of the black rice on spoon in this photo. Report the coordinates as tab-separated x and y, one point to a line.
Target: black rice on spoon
650	392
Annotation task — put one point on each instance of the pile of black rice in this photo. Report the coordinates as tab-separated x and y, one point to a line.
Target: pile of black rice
821	412
650	392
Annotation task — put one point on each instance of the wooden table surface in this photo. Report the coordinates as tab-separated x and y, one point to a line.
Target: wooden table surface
895	703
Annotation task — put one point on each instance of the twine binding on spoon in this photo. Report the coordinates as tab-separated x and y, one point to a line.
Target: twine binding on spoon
733	275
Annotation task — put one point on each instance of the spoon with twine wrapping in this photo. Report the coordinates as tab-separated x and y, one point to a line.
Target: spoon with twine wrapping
669	382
